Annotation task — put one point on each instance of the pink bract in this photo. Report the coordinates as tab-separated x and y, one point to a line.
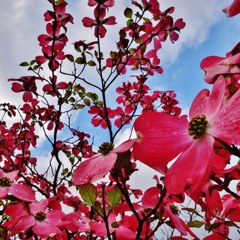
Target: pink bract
19	191
214	66
99	165
233	9
162	137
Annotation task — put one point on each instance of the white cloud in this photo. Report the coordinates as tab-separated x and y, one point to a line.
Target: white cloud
200	17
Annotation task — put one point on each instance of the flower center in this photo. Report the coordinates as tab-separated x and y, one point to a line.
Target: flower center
105	148
40	216
174	209
5	182
115	224
197	126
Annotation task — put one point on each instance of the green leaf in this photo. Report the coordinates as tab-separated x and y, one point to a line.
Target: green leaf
70	57
95	97
88	193
128	12
91	63
71	99
65	171
147	20
24	64
80	106
87	101
100	103
32	62
80	60
195	223
89	94
114	196
129	22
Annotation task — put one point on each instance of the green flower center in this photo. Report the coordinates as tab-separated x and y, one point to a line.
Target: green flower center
105	148
115	224
174	209
197	126
40	216
5	182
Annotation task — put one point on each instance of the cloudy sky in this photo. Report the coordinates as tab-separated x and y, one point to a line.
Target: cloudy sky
208	32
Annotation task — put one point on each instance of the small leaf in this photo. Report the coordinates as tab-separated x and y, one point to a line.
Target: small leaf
114	196
129	22
65	171
70	57
147	20
87	101
24	64
100	103
88	193
32	62
128	12
195	223
71	99
89	94
80	106
80	60
91	63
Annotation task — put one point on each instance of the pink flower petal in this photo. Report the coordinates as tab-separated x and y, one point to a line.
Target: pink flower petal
213	67
22	192
191	170
17	87
94	168
44	229
38	206
24	223
125	146
177	222
161	137
151	197
88	22
233	9
4	192
54	217
124	233
16	210
226	124
209	104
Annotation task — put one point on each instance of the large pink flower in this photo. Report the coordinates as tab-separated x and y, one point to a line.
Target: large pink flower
162	137
43	222
100	164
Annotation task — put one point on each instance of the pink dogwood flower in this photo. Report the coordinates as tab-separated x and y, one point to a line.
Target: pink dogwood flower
43	223
99	22
100	164
162	137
